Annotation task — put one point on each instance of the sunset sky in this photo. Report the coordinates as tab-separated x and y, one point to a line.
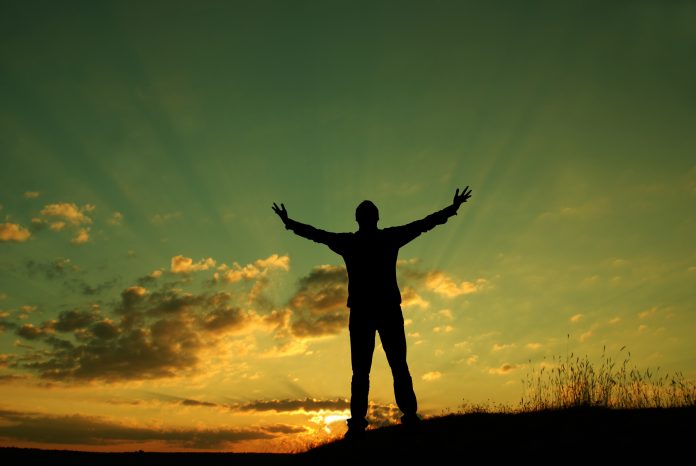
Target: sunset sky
150	298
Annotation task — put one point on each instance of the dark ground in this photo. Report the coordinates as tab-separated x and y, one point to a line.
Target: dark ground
584	435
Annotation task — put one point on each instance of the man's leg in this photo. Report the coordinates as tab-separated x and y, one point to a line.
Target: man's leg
391	332
362	345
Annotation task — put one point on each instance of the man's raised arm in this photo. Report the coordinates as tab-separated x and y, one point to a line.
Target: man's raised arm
301	229
411	231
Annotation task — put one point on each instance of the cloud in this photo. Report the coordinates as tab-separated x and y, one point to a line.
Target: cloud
159	219
588	210
534	346
70	212
576	318
6	325
10	378
319	304
208	404
13	232
274	262
225	319
181	264
150	335
31	332
432	376
305	405
91	290
256	269
504	369
57	268
500	347
57	226
648	313
380	415
31	194
442	284
115	219
69	321
410	298
585	335
81	237
78	429
443	329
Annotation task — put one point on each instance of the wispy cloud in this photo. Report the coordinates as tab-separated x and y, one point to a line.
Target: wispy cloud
431	376
115	219
160	219
503	369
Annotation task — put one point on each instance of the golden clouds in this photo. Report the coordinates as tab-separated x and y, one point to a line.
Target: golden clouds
444	285
81	237
12	232
431	376
274	262
70	212
248	272
181	264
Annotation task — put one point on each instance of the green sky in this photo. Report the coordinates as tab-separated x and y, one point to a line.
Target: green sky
135	132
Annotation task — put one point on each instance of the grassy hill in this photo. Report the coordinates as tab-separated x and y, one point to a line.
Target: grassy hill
575	435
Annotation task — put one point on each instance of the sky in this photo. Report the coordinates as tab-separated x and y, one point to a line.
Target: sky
150	298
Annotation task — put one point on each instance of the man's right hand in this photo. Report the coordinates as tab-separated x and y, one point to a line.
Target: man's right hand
281	211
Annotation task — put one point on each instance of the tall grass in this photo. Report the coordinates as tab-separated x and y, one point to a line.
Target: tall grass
574	381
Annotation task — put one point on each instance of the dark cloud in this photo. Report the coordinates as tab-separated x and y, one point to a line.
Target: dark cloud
319	304
224	319
149	334
57	268
163	349
104	330
152	335
7	325
9	378
189	402
92	290
69	321
316	326
89	430
284	429
307	404
31	332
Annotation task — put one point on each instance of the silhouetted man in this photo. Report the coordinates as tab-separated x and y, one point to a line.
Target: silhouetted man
374	298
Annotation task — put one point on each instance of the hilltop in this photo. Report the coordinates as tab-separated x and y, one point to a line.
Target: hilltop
596	435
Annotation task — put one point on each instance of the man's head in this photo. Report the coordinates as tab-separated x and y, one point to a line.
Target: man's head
367	215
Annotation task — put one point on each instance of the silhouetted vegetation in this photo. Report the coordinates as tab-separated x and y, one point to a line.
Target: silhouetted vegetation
573	381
